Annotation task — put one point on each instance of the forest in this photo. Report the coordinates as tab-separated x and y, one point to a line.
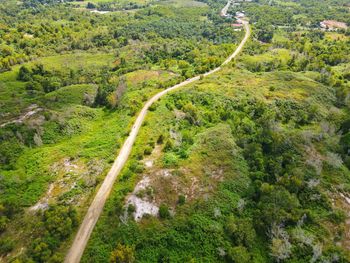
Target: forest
250	164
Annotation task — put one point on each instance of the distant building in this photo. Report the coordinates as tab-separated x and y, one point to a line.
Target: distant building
333	25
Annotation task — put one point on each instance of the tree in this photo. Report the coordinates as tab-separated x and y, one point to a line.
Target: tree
277	205
191	113
90	6
264	33
345	142
34	85
122	254
24	74
103	92
59	221
241	231
40	251
239	254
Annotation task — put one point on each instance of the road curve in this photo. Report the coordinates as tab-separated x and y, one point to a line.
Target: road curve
82	237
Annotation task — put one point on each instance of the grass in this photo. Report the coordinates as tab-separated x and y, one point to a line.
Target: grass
14	97
336	36
287	3
266	60
88	137
77	60
141	76
66	96
183	3
213	149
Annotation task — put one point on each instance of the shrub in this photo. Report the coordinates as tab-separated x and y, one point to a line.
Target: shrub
6	246
148	150
337	216
34	85
24	74
90	6
131	208
181	200
239	254
122	254
170	159
164	211
160	139
3	223
168	145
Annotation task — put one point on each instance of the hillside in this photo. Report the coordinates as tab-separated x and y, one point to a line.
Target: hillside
247	164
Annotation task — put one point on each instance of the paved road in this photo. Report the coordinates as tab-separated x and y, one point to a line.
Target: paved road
96	207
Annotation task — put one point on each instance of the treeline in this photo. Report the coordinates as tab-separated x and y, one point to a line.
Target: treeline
21	41
38	79
291	13
306	51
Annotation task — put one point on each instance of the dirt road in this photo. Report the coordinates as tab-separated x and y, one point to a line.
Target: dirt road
96	207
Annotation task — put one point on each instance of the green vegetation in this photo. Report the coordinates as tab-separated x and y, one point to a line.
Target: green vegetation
250	164
71	84
276	153
255	151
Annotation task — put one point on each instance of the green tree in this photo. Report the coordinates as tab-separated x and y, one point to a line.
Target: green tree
24	74
122	254
239	254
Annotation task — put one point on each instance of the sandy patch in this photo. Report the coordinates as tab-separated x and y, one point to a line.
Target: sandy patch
99	12
142	204
30	111
142	207
150	160
43	204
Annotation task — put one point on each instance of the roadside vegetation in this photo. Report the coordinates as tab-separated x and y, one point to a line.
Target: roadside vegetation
71	84
250	164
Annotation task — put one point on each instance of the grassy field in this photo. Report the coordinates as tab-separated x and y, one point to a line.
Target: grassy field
69	95
13	92
78	61
183	3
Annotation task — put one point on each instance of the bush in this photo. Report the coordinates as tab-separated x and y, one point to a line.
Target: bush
168	145
164	211
337	216
3	223
239	255
181	200
90	6
160	139
148	150
122	254
131	208
24	74
33	85
170	159
6	246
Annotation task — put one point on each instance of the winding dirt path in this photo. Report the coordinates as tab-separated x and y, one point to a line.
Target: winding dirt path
82	237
